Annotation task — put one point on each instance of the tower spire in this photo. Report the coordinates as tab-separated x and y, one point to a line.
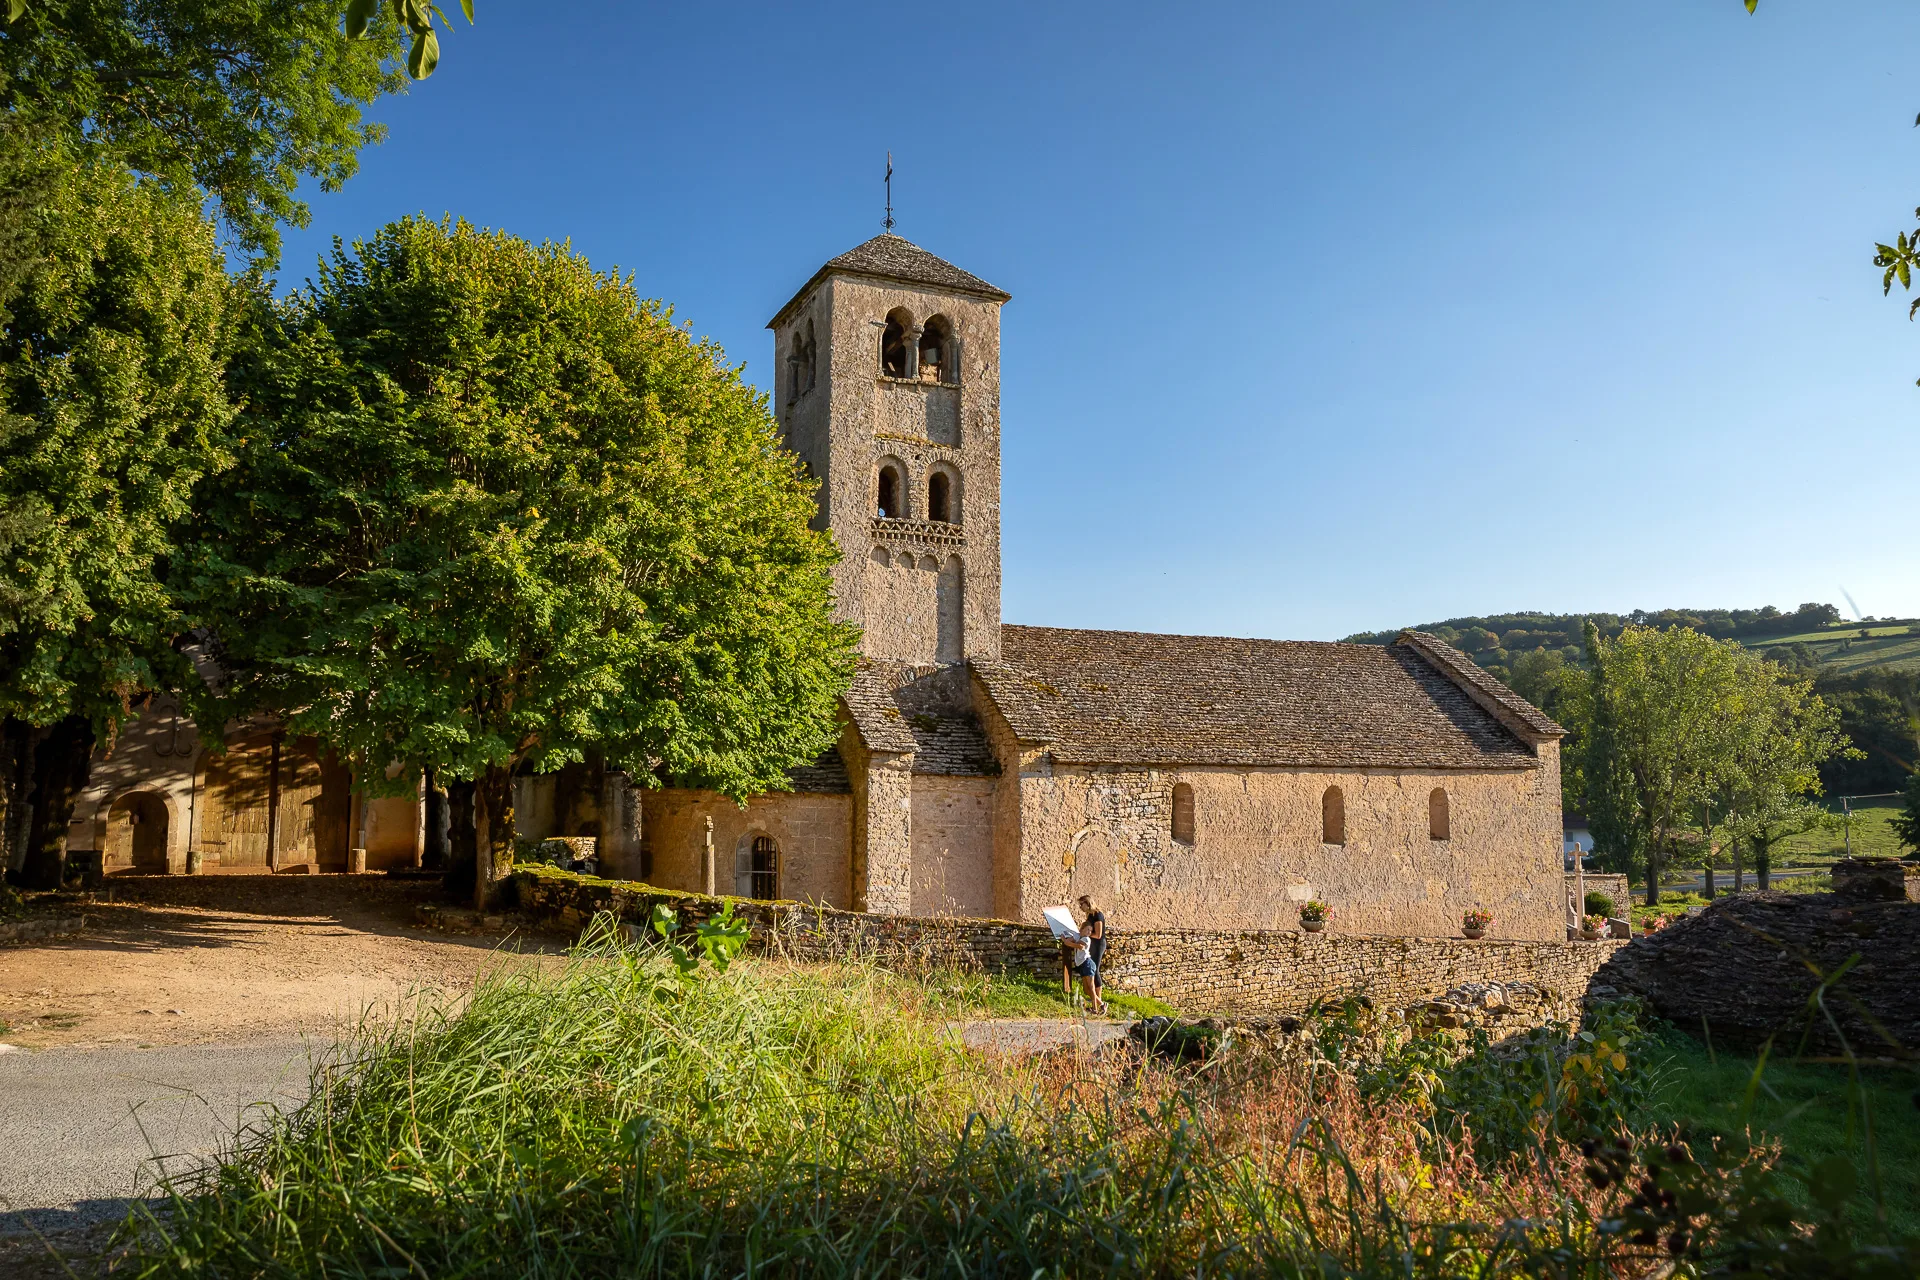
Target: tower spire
887	222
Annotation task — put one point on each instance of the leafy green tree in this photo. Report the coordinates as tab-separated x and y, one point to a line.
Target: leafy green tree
110	406
493	509
1664	704
1906	823
1545	678
239	99
1783	734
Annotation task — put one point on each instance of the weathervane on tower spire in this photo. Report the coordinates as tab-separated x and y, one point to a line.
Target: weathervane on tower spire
887	222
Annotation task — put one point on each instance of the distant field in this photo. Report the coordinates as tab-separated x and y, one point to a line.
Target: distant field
1872	838
1827	634
1844	651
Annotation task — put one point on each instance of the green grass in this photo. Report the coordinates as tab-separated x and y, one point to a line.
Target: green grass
1009	995
1671	904
1024	995
1829	634
1809	1108
1139	1006
1873	837
1842	650
617	1118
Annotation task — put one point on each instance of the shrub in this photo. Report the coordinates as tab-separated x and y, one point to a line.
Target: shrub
1599	904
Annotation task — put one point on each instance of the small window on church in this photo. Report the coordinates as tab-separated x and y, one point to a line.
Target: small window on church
933	351
766	869
940	498
893	345
1333	817
800	363
1182	813
889	505
1439	819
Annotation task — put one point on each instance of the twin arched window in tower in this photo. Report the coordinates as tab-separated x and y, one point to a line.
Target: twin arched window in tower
919	352
891	500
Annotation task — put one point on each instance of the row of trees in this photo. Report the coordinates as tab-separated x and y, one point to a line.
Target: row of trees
462	505
1680	745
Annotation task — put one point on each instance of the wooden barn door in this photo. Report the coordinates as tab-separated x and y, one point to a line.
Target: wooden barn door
239	785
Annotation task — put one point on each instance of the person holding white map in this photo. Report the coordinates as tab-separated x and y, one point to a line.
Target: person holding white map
1080	963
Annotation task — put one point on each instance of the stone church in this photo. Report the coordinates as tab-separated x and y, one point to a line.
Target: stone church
990	770
984	769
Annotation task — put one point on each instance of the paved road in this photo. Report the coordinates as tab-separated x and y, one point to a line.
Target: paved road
83	1130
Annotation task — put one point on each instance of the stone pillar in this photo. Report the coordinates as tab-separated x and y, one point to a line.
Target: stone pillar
886	885
706	860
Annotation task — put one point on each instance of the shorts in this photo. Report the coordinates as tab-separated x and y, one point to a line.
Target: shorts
1086	969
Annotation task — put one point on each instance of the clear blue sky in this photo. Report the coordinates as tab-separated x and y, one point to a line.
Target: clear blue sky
1326	317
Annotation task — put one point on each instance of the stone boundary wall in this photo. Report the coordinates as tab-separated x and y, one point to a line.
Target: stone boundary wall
1741	967
1199	971
1613	884
1279	971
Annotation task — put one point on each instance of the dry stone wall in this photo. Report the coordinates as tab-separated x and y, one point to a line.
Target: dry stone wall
1744	968
1197	971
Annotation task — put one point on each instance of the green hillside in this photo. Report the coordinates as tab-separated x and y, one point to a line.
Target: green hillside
1869	669
1813	638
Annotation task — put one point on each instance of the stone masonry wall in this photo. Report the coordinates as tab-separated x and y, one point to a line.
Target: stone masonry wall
1745	969
812	832
952	839
1197	971
1257	849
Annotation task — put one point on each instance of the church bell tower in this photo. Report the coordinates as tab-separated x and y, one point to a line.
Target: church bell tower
888	386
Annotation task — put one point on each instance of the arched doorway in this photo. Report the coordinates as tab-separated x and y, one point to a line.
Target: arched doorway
136	834
756	867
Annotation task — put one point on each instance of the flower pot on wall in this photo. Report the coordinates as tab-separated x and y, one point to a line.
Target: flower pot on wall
1474	931
1313	926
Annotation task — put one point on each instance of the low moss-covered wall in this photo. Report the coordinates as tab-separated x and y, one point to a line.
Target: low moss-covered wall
1199	971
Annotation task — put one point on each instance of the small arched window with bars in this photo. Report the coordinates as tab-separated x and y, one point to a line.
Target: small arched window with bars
766	869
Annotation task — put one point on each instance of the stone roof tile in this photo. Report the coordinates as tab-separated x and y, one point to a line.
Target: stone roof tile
1464	670
1130	697
947	734
827	775
877	719
891	257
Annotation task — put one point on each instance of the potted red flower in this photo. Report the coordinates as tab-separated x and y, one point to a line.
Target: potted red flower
1474	922
1314	915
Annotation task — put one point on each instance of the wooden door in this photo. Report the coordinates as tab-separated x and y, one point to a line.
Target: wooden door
239	782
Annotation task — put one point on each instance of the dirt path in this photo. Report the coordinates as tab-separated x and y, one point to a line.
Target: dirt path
221	960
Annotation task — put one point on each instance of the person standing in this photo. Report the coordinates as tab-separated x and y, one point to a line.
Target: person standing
1094	929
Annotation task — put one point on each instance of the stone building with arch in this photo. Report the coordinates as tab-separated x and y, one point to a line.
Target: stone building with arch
981	769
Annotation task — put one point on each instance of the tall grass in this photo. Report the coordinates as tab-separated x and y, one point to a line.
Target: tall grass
621	1119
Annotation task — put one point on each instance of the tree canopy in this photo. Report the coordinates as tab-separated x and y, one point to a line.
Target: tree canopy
111	404
1680	725
241	99
110	400
491	507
